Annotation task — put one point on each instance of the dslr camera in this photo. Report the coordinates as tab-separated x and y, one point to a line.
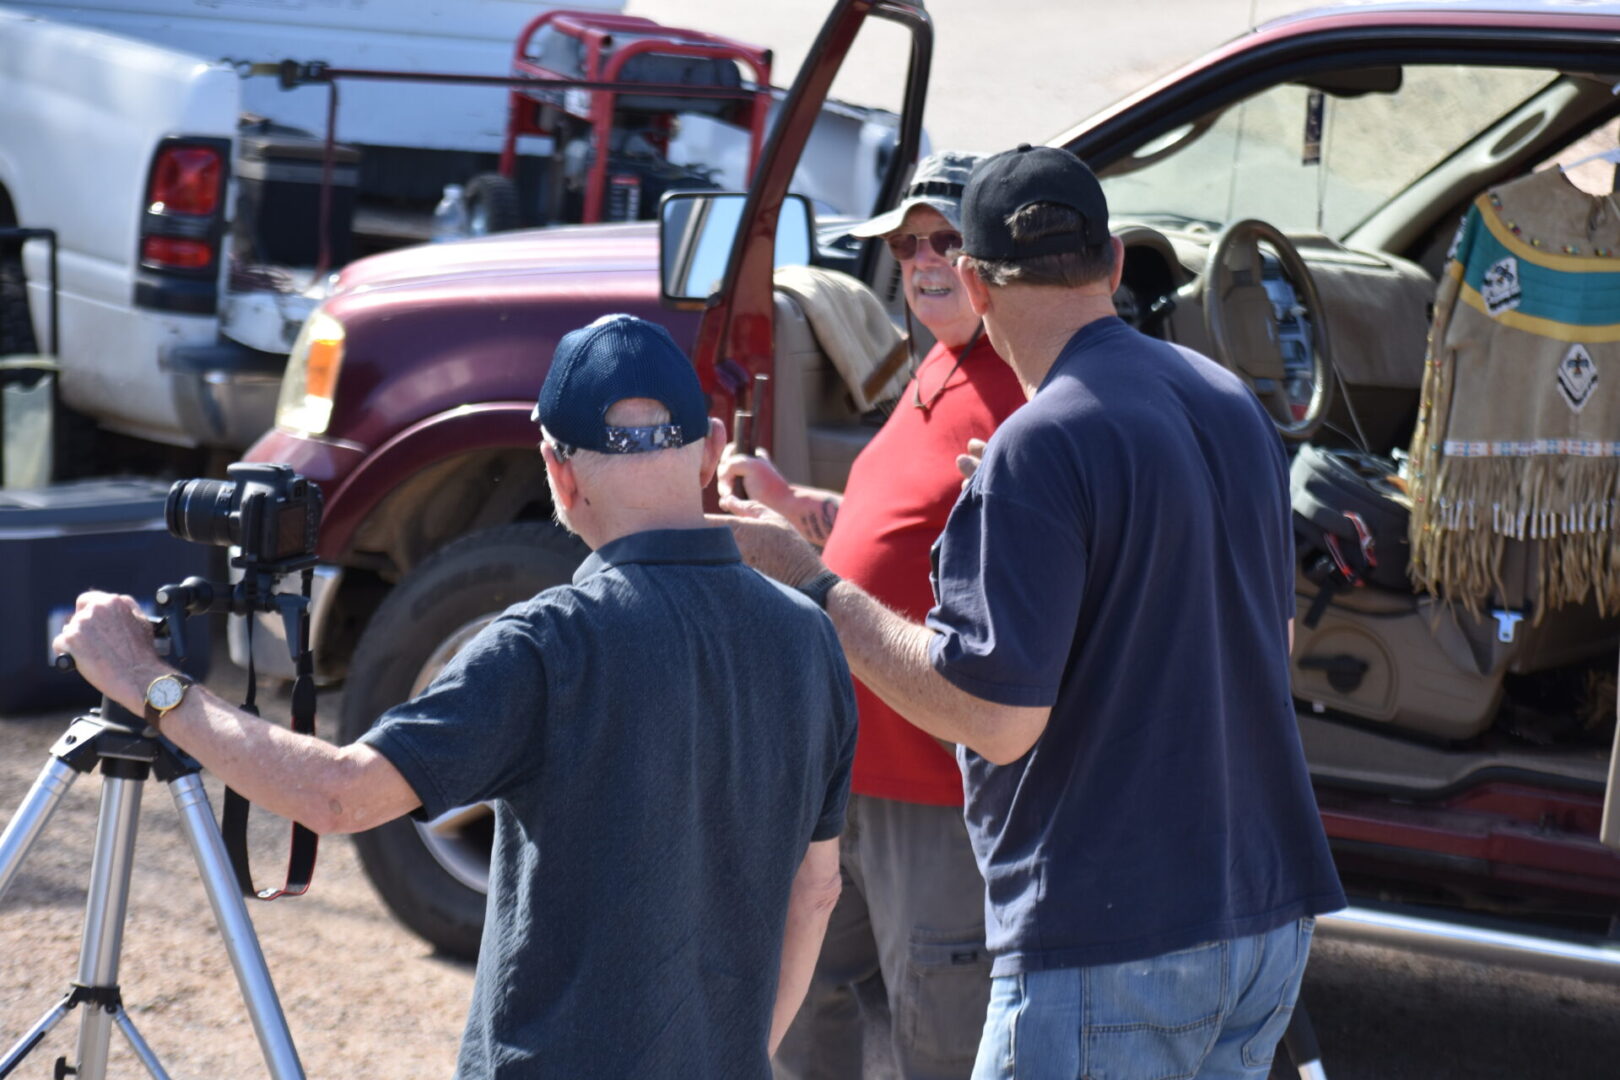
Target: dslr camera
268	511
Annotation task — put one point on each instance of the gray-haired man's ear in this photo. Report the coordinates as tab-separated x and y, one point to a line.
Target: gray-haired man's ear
714	445
564	481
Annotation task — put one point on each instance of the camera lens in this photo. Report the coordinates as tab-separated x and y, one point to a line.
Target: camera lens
201	511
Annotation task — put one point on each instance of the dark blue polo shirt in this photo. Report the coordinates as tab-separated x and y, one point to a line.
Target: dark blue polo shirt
1124	555
661	741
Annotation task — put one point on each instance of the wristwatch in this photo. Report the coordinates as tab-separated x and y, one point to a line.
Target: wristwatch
818	587
164	694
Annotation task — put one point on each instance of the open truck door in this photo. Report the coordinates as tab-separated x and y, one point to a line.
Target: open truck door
736	339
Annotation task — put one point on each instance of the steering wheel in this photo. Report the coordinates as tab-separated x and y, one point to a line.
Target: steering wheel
1242	324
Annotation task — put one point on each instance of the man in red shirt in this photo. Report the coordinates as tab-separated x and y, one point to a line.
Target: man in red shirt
912	909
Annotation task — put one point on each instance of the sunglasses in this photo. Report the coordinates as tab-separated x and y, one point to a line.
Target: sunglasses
945	242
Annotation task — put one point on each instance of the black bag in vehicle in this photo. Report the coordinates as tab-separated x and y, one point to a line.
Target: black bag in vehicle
1366	645
1350	521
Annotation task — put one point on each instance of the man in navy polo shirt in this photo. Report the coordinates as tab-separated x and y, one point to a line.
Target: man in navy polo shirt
1110	647
666	743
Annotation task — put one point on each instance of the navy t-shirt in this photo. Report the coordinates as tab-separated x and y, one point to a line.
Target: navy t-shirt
661	741
1124	555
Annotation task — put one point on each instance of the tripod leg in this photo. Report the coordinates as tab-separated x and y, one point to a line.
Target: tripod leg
230	912
138	1044
110	867
26	1044
30	819
1300	1042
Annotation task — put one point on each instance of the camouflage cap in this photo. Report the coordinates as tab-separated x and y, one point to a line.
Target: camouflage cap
938	182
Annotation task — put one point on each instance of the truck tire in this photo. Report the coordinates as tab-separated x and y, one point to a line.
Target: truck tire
492	205
16	325
430	878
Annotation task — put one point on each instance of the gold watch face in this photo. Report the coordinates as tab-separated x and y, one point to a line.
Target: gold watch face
165	693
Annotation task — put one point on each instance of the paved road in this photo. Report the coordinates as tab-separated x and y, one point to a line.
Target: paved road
1382	1014
1003	72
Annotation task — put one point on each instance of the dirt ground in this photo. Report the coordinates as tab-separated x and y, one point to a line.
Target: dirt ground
363	996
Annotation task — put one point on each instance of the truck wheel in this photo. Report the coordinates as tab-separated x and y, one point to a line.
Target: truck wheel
492	205
434	875
16	326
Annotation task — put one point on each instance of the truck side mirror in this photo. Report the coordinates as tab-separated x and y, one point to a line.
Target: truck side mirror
696	232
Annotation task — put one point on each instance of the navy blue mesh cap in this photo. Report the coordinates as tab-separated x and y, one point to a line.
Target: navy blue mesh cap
614	358
1006	183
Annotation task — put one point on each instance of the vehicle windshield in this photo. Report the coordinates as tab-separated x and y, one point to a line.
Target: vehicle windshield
1315	160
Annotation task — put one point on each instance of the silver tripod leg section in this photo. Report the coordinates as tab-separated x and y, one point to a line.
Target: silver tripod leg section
35	1033
31	817
138	1044
110	867
230	912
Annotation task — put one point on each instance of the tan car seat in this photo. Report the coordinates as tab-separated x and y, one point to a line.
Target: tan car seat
1374	650
819	393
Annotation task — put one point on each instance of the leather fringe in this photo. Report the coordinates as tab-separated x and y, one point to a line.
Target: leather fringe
1470	508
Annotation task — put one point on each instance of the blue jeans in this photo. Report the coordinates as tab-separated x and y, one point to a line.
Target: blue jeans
1212	1011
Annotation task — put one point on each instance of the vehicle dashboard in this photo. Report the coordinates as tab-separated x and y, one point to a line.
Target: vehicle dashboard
1375	309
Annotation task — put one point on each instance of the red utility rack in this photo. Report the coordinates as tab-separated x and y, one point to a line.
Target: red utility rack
592	48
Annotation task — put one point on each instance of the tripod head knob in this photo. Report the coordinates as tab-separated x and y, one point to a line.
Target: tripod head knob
192	596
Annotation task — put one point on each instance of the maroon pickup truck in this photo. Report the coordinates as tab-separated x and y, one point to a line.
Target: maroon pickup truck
1460	761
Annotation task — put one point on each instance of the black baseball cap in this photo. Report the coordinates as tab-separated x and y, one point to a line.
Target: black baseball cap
614	358
1006	183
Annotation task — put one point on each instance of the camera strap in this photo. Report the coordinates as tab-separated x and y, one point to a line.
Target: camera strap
301	856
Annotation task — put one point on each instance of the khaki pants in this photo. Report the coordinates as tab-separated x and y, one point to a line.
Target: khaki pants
912	916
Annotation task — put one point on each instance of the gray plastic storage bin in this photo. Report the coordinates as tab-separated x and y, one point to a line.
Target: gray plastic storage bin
56	542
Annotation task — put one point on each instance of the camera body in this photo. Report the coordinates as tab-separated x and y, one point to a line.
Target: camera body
268	511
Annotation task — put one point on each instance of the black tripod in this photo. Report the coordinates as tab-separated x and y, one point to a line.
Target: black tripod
127	752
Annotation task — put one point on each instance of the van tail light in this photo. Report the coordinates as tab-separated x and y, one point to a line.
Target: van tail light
183	225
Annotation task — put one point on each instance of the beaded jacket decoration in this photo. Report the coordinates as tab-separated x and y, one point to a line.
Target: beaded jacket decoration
1518	433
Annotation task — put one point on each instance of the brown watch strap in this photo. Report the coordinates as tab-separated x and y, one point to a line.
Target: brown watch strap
151	714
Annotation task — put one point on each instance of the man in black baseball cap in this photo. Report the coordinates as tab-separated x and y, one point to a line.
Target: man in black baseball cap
1011	183
1109	646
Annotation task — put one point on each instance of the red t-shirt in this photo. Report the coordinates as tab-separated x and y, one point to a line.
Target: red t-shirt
900	491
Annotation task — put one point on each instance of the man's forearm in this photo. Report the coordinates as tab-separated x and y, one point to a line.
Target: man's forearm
323	787
889	654
297	776
810	904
